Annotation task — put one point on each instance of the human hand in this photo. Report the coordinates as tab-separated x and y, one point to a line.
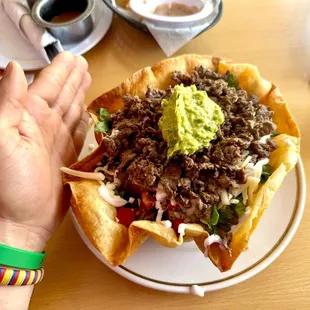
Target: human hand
42	127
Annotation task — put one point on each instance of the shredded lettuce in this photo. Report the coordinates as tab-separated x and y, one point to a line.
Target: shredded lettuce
274	134
104	114
211	224
101	127
226	214
240	208
232	81
214	217
267	171
223	219
104	124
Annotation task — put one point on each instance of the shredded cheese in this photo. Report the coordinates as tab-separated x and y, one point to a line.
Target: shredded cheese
234	201
166	223
224	197
253	183
114	133
256	170
160	211
160	193
110	186
245	162
116	180
106	171
109	196
98	169
245	193
253	173
236	191
263	140
181	229
84	175
220	205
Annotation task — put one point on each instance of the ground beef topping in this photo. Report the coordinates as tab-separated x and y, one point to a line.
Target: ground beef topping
137	154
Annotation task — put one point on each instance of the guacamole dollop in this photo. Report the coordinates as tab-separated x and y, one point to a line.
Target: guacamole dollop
190	120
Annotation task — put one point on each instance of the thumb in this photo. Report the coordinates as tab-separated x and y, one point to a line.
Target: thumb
13	86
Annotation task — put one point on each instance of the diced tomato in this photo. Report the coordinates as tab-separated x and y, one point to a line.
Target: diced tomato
172	207
126	215
98	137
220	255
176	223
147	201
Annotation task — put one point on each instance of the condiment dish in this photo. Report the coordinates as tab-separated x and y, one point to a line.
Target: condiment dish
147	9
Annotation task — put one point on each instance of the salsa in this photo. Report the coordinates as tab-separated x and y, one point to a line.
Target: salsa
175	9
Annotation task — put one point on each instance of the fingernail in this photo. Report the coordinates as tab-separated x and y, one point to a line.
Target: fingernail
7	69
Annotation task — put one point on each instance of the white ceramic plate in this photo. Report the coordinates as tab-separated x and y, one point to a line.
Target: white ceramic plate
14	47
177	270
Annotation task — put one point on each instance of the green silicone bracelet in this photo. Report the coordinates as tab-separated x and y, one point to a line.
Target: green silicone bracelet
22	259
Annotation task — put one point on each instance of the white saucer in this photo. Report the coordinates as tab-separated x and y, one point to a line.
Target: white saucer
177	270
14	47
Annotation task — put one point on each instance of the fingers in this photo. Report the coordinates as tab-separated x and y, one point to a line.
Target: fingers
51	80
72	85
56	87
73	115
13	86
59	83
64	147
80	132
75	118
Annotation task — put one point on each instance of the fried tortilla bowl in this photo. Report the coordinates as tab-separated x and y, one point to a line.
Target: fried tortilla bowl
97	218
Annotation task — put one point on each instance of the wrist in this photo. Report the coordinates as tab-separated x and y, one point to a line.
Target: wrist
21	236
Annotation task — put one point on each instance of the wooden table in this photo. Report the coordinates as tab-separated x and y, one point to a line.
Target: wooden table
275	36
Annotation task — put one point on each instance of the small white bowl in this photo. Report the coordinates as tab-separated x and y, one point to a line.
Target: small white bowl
145	8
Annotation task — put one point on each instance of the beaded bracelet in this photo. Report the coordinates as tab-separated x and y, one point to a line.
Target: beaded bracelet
9	276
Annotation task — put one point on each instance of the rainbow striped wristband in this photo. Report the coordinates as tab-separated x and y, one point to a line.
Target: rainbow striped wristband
9	276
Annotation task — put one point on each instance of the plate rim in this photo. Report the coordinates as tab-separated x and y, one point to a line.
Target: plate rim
248	273
143	27
38	64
